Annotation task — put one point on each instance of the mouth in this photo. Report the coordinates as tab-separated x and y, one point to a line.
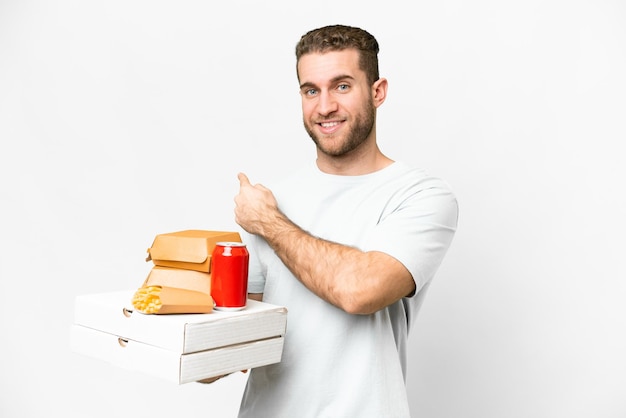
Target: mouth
329	127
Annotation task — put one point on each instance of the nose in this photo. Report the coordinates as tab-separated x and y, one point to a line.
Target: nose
326	104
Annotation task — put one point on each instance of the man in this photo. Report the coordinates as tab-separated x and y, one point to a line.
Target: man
348	244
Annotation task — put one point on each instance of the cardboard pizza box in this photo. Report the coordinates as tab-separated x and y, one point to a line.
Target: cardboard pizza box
180	348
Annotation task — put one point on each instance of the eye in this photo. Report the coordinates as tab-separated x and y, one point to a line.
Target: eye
309	92
343	87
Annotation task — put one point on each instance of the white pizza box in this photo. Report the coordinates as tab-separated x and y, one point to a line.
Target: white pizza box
175	367
177	347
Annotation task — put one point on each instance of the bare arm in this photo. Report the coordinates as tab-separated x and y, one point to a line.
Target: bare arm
256	296
356	281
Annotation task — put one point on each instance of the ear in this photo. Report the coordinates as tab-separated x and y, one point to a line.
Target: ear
379	91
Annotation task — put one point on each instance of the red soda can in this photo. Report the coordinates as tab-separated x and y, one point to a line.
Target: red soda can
229	276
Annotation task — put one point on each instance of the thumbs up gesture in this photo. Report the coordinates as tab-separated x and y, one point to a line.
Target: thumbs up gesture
255	206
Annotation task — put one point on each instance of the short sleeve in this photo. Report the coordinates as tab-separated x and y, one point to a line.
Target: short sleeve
419	228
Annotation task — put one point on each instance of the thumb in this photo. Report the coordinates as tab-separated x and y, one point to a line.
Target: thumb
243	179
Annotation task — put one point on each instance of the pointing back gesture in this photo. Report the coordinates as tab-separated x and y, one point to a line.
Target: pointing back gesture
255	206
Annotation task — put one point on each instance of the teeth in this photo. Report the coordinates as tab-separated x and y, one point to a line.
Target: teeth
329	124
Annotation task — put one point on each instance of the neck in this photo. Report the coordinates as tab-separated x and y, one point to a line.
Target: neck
356	163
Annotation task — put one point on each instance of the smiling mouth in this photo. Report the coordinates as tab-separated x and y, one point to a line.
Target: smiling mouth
329	128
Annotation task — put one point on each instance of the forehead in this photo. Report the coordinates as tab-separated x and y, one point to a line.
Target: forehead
318	68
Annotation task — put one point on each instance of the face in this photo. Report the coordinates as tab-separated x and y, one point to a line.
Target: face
338	106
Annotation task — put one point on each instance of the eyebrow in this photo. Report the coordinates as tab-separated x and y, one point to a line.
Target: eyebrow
333	80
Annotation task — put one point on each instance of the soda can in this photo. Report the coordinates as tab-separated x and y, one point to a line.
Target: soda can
229	276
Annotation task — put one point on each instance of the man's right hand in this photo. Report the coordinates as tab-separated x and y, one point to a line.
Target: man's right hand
255	206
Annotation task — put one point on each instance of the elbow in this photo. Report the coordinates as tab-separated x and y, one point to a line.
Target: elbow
359	298
358	310
359	305
368	300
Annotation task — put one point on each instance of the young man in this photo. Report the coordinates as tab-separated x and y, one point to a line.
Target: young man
348	244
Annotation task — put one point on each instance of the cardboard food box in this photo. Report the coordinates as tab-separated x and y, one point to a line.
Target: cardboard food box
190	249
184	279
164	300
180	348
179	291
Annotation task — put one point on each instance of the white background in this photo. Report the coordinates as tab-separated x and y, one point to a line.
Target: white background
120	120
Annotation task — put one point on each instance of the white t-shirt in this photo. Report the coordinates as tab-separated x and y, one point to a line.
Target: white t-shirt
336	364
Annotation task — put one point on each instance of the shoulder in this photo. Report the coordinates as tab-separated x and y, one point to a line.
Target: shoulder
426	193
416	179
